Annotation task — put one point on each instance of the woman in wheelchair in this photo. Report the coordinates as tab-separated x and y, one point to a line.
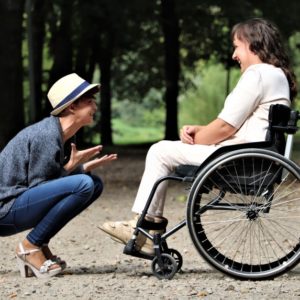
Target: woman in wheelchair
266	79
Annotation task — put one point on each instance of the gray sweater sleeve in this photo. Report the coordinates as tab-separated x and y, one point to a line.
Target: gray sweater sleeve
33	156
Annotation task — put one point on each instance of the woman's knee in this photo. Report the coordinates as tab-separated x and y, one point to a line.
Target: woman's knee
160	149
85	185
98	186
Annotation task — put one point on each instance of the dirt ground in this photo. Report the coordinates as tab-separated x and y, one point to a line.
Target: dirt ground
97	268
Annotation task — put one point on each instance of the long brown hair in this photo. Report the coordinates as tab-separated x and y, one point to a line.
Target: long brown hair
265	41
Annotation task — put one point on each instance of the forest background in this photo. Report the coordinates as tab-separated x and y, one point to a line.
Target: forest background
161	63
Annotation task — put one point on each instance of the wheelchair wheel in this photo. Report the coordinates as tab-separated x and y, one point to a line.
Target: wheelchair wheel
177	256
243	214
166	269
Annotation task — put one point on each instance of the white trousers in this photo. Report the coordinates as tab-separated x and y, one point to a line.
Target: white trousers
161	160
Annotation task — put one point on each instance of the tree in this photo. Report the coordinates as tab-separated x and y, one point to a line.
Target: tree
36	17
61	42
116	30
137	45
285	14
120	34
172	66
11	85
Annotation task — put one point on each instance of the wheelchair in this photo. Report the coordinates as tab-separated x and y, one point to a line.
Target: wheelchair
243	207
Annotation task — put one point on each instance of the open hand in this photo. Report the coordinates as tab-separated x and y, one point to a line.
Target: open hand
95	163
81	156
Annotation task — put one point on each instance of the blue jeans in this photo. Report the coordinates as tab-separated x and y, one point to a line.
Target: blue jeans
48	207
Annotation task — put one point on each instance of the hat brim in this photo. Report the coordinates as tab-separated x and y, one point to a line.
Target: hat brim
58	110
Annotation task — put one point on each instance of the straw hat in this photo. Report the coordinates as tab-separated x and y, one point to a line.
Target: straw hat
66	90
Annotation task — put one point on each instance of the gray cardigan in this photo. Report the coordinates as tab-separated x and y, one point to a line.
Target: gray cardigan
35	155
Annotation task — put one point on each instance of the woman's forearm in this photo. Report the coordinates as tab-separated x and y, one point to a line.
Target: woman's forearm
213	133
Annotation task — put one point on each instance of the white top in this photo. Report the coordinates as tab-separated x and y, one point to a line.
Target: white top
247	106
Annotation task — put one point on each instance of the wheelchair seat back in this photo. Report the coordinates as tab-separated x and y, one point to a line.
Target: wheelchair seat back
282	120
250	175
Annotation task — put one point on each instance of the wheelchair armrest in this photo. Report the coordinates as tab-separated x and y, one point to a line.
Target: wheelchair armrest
189	172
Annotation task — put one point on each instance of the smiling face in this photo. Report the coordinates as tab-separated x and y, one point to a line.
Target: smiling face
243	55
84	109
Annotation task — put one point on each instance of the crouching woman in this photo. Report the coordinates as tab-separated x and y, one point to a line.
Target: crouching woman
45	181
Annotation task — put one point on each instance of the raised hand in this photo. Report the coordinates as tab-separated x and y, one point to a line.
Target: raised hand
95	163
81	156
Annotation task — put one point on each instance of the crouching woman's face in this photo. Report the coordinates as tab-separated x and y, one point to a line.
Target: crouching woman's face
82	111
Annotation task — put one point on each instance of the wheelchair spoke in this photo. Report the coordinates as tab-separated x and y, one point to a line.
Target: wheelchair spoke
286	227
285	191
273	244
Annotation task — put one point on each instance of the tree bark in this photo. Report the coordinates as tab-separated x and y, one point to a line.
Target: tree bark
105	93
11	85
171	33
36	13
62	47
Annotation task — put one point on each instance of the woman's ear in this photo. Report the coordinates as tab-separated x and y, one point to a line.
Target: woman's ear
72	107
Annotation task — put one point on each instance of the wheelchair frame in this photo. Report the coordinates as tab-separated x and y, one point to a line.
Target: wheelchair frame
238	180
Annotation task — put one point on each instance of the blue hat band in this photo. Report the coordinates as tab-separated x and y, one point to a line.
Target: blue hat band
73	94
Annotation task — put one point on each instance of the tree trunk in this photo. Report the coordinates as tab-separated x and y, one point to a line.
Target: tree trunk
105	61
62	47
172	68
36	12
11	85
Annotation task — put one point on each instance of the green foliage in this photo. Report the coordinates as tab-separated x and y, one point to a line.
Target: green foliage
125	134
294	45
149	112
201	99
139	122
132	32
204	93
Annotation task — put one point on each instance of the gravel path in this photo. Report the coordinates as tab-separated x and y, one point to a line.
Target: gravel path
97	269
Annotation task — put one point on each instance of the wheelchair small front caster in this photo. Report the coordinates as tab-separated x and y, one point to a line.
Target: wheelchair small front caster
165	267
177	256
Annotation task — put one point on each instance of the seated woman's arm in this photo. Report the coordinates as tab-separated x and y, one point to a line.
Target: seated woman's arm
213	133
